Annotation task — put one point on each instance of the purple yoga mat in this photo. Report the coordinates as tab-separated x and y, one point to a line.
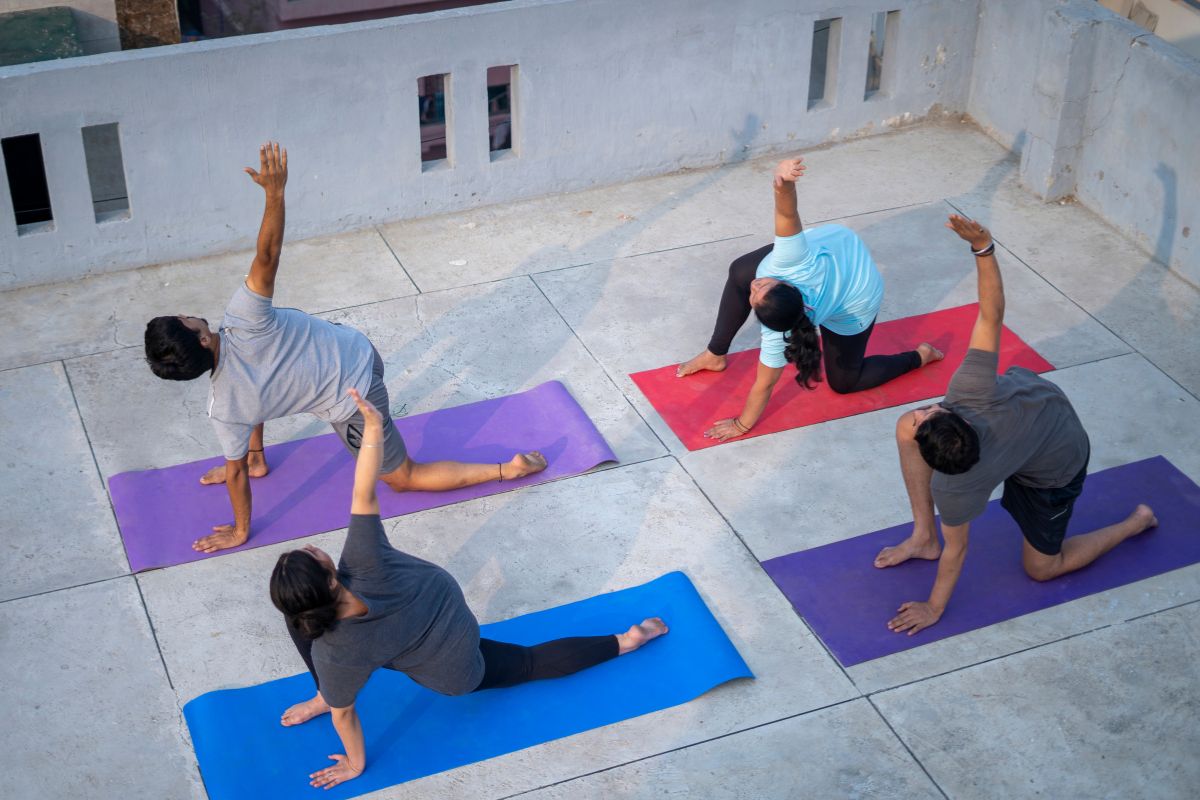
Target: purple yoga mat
162	511
848	602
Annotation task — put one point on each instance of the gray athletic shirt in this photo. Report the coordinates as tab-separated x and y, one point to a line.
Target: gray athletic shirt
1027	431
417	622
280	361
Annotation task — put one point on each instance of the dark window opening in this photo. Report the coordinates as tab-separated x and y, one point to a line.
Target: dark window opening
822	76
883	34
27	179
433	98
501	103
106	171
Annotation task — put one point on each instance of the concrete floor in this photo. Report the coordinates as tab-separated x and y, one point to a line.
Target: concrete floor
1096	698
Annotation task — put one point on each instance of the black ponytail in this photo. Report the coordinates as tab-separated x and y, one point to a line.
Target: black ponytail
300	589
782	309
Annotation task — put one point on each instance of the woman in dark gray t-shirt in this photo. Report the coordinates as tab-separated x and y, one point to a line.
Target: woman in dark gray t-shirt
382	608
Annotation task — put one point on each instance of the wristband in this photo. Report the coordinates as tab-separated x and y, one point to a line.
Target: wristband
987	251
737	423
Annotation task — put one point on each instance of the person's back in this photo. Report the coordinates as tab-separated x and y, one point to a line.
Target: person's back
281	361
1027	430
832	267
417	621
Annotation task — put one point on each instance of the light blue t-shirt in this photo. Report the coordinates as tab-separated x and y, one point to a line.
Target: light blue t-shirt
834	271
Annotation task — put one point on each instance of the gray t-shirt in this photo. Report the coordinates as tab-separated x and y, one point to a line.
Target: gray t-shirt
280	361
1027	431
417	622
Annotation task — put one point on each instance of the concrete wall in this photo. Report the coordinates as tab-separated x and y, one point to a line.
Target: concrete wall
608	91
96	20
1099	109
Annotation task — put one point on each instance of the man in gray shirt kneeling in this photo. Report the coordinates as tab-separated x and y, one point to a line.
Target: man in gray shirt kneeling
1017	429
267	362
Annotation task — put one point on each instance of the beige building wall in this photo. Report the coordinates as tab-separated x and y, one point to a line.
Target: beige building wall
1174	21
96	20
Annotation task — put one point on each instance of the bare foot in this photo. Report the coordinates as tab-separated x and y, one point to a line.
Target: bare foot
929	353
638	635
523	464
223	537
256	465
303	712
704	361
909	548
1143	519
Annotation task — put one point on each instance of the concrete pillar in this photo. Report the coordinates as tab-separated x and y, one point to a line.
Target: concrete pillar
1060	92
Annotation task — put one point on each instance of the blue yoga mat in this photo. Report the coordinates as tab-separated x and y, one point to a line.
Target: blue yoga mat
411	732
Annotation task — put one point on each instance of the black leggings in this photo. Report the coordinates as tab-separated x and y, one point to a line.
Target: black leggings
847	368
507	664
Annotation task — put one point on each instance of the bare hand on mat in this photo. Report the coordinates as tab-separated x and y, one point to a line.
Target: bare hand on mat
914	616
723	430
340	772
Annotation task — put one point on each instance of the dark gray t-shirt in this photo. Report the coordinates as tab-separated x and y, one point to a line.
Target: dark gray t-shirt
280	361
1027	431
417	622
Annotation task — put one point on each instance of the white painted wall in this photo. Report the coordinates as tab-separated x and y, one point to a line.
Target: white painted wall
1099	109
609	90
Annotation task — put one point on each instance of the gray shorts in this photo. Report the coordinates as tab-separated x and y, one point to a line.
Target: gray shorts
350	431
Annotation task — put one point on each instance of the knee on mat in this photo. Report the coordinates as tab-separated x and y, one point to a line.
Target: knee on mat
399	479
1041	572
841	384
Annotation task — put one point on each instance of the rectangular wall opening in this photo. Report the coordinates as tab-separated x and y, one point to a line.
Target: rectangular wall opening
106	172
822	76
884	26
433	99
27	183
501	90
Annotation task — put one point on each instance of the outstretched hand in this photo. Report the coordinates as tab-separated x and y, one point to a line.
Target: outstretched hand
370	413
789	170
340	772
970	231
272	167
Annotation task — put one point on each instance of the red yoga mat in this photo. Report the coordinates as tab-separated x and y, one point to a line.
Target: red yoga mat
691	405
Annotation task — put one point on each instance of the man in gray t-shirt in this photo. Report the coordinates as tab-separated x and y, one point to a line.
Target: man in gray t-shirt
1017	429
268	362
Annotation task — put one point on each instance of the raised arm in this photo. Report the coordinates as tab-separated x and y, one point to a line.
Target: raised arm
370	459
986	334
272	177
787	217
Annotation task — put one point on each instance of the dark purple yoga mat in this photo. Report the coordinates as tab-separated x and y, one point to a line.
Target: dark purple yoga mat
162	511
848	602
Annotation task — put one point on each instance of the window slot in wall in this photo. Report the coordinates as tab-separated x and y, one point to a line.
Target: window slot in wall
883	36
502	110
822	76
433	98
106	172
26	172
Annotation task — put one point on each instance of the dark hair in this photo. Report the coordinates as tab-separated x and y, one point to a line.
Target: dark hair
300	589
174	352
948	443
782	309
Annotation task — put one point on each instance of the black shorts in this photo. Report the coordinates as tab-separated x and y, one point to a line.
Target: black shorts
1043	514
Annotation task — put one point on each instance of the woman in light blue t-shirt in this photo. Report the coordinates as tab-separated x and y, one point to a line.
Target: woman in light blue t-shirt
821	278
